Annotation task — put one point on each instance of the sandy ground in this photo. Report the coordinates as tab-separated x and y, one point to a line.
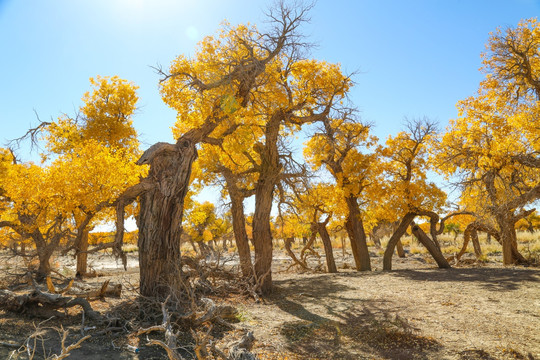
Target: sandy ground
482	311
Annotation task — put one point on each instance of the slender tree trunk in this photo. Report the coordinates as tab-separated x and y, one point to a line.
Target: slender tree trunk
394	239
82	255
287	244
466	239
325	237
308	245
399	249
431	247
193	245
357	235
476	244
160	220
240	234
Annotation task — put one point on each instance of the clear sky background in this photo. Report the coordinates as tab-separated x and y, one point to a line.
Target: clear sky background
413	58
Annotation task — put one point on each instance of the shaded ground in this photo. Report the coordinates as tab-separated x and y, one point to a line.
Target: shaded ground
414	312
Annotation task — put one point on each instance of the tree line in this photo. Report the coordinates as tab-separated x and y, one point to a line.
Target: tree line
241	101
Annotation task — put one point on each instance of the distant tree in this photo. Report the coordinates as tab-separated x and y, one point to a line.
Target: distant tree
337	147
408	193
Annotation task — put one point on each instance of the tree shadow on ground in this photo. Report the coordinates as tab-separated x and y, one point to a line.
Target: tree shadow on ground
490	278
365	331
358	334
310	286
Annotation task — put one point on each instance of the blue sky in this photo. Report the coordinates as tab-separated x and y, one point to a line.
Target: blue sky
413	58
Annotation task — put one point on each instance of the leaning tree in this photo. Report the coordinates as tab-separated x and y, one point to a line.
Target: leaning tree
212	92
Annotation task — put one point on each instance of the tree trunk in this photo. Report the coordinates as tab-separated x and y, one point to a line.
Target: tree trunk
240	234
82	255
325	237
287	244
160	220
396	236
430	246
399	249
357	235
262	235
308	245
476	244
195	250
507	232
44	252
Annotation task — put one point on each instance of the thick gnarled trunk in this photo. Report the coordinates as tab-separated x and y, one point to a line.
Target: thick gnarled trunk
262	235
160	220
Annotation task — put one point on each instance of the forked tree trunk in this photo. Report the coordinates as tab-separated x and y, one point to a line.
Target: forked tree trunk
44	268
287	244
44	251
357	235
308	246
396	236
330	263
160	220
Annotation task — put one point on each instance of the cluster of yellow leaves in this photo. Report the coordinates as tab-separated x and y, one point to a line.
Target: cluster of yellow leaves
106	117
202	223
339	150
405	187
499	124
91	161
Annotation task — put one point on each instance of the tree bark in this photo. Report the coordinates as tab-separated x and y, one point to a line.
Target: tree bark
308	245
396	236
357	235
325	237
507	232
262	235
240	234
44	251
430	246
82	255
399	249
287	244
476	244
160	220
